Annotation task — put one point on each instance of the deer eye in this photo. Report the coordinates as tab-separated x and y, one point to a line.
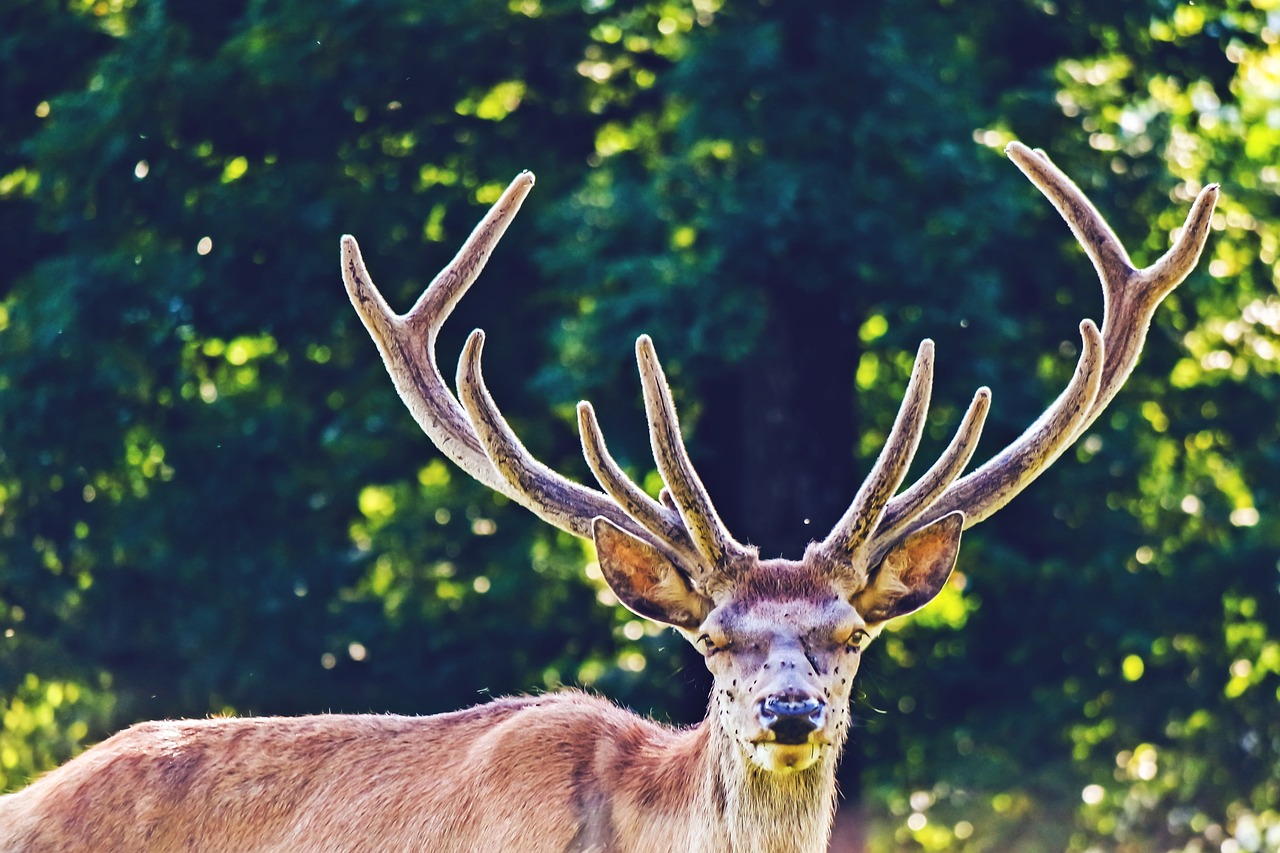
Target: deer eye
709	646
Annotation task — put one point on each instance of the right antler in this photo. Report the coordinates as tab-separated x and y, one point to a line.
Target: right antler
472	432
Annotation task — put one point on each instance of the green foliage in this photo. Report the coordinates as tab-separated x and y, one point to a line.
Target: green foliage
46	723
211	500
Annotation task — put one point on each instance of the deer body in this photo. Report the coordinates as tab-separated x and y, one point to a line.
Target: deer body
576	774
561	773
573	773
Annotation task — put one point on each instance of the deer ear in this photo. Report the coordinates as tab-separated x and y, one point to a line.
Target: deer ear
913	572
645	580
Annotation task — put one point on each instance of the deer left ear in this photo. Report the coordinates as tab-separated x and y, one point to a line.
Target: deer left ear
913	572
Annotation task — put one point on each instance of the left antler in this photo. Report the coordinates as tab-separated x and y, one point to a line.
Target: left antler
875	522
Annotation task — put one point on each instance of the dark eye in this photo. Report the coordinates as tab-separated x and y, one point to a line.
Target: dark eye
857	639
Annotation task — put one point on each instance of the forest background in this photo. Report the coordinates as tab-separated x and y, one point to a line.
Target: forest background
211	500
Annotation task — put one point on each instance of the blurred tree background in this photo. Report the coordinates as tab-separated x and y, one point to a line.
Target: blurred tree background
212	501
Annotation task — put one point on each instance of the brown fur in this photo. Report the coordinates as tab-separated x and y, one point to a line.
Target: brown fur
564	772
561	772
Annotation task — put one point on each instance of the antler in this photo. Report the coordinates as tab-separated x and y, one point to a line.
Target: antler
471	431
407	343
1130	297
683	524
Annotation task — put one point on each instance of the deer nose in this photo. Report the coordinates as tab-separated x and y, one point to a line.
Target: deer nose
791	717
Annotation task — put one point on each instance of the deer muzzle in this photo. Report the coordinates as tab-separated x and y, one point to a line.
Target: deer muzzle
791	717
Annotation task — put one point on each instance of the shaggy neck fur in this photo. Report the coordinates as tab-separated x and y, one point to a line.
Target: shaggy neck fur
762	812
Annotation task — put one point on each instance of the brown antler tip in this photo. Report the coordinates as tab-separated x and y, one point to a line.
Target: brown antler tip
1206	199
586	416
645	352
469	372
1089	334
350	250
469	360
924	366
377	316
1209	196
503	210
1019	153
475	343
525	178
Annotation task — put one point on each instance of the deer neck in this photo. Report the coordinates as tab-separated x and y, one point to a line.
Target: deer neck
762	811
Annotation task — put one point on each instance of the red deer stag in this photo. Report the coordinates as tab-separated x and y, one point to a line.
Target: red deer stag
572	772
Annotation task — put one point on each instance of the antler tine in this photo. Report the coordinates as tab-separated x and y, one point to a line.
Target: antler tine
650	514
407	343
1176	264
1133	308
906	506
1001	478
437	302
712	540
863	515
985	490
1092	231
552	497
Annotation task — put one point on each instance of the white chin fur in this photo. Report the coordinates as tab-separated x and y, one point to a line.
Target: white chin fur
785	758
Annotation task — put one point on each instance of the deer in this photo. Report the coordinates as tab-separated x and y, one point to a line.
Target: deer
569	771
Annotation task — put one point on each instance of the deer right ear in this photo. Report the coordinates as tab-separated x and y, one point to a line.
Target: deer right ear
645	579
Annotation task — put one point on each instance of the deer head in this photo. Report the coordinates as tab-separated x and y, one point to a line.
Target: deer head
782	638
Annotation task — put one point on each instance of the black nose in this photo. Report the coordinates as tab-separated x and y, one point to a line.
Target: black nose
791	718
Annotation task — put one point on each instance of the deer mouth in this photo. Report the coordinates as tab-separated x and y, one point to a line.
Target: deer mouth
785	758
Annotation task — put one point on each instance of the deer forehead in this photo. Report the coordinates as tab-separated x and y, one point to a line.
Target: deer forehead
769	620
